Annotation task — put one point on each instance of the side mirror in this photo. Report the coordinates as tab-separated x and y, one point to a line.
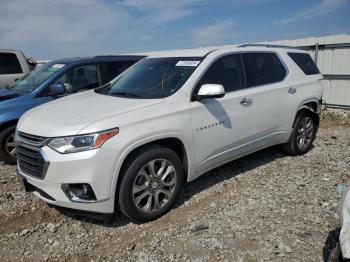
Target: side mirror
56	89
210	91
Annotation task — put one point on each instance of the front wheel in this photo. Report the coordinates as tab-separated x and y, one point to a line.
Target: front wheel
150	184
8	145
303	135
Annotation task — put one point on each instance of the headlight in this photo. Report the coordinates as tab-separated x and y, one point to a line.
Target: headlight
73	144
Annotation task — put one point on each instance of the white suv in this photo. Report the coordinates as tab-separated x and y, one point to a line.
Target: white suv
170	118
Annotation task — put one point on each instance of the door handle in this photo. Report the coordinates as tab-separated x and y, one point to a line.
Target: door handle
246	101
292	90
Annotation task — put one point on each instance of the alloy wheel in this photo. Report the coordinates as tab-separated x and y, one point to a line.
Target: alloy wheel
10	145
305	133
154	185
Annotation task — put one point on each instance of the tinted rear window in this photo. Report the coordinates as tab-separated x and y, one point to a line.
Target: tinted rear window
9	64
263	68
111	70
305	62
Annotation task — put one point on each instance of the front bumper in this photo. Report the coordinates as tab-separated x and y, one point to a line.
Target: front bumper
94	167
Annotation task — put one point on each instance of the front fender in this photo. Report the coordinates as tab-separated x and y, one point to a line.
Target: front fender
8	117
134	144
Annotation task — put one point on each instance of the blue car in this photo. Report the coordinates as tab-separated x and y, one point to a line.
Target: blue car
51	81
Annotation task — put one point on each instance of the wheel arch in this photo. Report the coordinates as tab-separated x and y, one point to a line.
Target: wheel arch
310	106
8	123
171	141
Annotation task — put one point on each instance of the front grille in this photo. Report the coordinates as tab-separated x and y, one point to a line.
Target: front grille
31	139
29	157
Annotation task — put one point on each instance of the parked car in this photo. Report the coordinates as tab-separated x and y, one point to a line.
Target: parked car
49	82
13	65
167	120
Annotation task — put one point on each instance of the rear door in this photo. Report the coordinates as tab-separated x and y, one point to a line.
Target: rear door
10	68
222	127
266	75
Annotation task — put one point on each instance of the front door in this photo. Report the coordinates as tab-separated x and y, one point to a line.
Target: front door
80	78
222	127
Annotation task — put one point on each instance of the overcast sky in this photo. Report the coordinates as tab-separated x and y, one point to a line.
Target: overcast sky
49	29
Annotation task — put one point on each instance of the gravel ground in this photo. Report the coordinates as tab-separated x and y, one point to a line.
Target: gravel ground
267	206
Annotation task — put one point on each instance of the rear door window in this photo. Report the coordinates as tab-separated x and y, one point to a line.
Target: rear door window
305	62
110	70
263	68
9	64
226	71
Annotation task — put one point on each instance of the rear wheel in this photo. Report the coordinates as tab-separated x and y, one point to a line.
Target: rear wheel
8	145
150	184
303	135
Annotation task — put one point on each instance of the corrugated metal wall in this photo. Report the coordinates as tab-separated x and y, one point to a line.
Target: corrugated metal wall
333	59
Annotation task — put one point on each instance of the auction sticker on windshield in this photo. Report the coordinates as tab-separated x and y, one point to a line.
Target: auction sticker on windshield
56	67
188	63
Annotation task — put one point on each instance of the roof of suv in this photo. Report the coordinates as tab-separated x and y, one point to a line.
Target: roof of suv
98	59
201	52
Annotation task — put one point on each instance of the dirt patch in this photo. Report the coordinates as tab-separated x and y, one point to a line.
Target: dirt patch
332	118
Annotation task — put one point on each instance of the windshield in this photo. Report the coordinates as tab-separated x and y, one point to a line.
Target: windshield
34	79
152	78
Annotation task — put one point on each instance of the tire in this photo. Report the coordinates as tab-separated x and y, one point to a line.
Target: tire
139	192
6	137
335	254
304	129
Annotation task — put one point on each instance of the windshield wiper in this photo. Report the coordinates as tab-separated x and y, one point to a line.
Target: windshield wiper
124	94
103	89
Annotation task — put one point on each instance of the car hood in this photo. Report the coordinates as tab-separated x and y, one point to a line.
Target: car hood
69	115
6	94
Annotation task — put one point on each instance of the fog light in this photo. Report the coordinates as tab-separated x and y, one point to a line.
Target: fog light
82	193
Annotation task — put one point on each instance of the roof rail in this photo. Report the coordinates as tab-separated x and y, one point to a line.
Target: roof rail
119	56
268	46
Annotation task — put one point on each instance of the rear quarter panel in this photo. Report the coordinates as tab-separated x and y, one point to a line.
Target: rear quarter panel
308	87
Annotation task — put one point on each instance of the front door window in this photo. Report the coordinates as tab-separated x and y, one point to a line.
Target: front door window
80	79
